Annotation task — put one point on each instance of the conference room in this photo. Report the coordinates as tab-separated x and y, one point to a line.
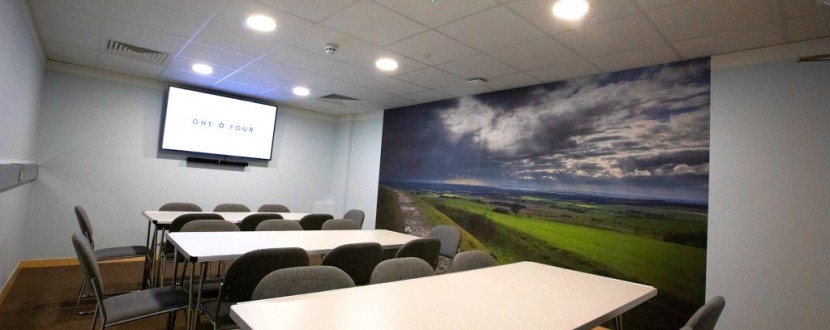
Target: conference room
673	145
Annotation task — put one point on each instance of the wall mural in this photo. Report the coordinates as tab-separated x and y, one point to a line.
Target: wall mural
607	174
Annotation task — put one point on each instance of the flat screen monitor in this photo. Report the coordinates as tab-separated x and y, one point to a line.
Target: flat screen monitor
203	123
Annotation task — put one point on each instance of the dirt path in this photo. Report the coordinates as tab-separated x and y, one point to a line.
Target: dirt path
415	223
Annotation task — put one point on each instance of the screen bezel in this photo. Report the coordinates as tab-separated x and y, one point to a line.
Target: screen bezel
191	153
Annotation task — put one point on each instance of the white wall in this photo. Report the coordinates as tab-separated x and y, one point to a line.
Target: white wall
98	143
21	75
769	198
364	165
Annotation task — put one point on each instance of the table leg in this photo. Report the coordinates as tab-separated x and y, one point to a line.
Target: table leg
190	324
618	322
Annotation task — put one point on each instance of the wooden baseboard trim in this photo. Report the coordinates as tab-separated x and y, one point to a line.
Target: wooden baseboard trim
8	285
42	263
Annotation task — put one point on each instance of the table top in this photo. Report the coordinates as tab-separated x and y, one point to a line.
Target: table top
524	295
212	246
166	217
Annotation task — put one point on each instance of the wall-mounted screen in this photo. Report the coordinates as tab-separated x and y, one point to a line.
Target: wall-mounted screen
204	123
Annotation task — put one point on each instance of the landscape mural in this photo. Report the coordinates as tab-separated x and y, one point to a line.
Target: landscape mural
605	174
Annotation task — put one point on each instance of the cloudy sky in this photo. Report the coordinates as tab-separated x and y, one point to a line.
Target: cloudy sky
637	133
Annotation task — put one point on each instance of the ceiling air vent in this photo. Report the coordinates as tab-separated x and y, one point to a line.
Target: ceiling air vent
135	52
339	99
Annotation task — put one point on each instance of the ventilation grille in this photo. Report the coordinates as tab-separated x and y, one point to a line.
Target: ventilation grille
339	99
135	52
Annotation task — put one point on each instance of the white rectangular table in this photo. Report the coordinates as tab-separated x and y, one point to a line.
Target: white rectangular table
201	247
524	295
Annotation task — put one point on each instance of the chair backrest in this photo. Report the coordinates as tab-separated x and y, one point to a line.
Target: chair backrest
398	269
250	222
356	259
273	208
180	206
314	221
183	219
231	207
209	226
278	225
340	224
426	249
247	271
355	215
469	260
450	238
83	222
86	257
300	280
707	315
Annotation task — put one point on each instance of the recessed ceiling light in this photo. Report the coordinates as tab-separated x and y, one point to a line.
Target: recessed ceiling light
570	9
202	68
301	91
386	64
261	23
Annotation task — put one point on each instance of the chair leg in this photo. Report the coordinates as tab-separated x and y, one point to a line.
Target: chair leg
95	318
81	296
171	320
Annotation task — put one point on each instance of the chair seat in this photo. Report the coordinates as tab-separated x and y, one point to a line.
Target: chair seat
122	252
143	303
210	287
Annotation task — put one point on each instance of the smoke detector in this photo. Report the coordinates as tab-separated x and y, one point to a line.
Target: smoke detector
330	48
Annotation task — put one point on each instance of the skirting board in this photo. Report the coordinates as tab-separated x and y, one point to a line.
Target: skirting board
42	263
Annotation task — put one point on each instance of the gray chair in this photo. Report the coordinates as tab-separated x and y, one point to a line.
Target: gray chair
300	280
243	276
278	225
356	216
314	221
273	208
706	316
231	207
356	259
450	238
426	249
210	286
469	260
130	306
167	249
399	269
250	222
113	253
181	207
340	224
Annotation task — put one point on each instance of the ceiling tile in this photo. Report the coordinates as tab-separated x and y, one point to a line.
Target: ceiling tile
68	36
436	13
351	73
464	89
511	81
91	6
235	40
299	58
238	88
535	54
129	66
492	29
478	66
201	8
564	71
153	16
428	96
215	55
621	35
236	12
69	54
373	23
636	58
313	10
730	41
432	78
396	102
696	18
276	70
264	81
63	16
432	48
540	12
651	4
142	37
188	78
808	27
396	87
804	8
184	64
